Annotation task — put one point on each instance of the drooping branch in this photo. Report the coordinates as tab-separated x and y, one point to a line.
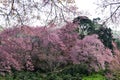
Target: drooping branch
112	7
25	12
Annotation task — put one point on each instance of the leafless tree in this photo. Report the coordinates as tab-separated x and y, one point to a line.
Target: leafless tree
25	12
112	9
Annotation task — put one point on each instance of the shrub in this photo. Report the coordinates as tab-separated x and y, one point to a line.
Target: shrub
81	69
54	76
105	35
23	75
118	43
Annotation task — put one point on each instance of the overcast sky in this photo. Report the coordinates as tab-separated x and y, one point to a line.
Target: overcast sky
89	6
83	5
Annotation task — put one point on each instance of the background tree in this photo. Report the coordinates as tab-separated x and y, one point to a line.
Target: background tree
88	27
106	36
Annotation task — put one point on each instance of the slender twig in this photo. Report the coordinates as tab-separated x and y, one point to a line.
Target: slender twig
113	4
19	17
49	13
111	15
12	7
66	7
63	16
45	4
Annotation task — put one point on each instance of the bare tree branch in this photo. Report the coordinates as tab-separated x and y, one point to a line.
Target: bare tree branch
112	14
26	11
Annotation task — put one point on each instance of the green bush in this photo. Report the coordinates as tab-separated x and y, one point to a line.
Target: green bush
72	72
81	69
118	42
52	76
23	75
105	35
70	77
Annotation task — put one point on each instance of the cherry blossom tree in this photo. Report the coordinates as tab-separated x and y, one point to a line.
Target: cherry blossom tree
47	49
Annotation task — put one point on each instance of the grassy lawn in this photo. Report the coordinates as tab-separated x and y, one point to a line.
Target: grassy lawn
94	77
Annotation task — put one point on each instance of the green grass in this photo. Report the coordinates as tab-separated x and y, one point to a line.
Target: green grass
94	77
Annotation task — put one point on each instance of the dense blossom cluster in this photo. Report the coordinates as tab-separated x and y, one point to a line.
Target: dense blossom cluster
28	48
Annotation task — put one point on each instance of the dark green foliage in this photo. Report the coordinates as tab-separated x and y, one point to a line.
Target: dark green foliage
53	76
86	26
27	76
105	35
40	76
92	27
70	77
81	69
23	75
73	72
118	42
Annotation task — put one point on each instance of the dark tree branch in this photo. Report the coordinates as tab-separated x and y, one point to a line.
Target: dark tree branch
114	3
111	15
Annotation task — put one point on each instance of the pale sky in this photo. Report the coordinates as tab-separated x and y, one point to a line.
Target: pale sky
92	8
84	5
89	6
